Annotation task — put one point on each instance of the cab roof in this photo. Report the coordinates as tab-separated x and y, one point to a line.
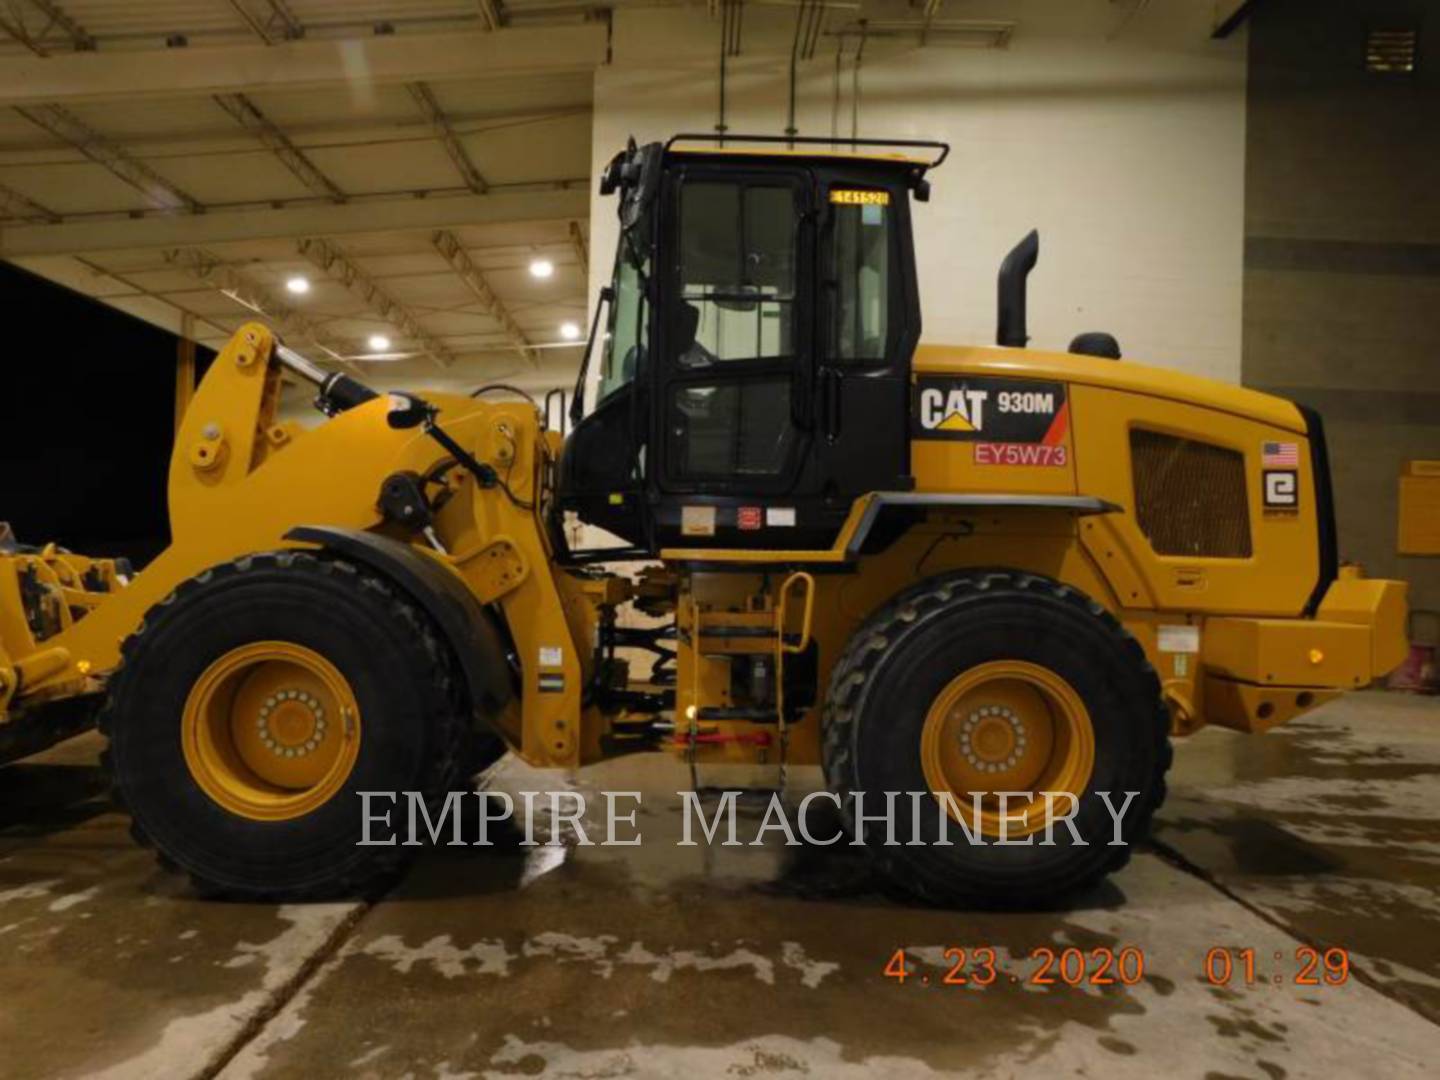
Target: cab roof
808	155
900	152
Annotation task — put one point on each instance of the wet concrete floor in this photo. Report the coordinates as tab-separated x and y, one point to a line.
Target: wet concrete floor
665	961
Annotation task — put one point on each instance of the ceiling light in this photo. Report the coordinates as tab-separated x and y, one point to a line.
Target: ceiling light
378	343
298	285
570	331
541	268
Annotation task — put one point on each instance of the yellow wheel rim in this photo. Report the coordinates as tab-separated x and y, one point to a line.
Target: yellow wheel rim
1007	725
271	731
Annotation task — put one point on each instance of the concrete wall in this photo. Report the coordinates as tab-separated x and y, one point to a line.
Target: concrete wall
1121	138
1342	253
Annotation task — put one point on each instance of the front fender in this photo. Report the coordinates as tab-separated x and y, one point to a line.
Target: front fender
467	626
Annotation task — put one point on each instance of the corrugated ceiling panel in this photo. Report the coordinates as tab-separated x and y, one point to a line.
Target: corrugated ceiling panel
76	186
124	18
419	166
217	179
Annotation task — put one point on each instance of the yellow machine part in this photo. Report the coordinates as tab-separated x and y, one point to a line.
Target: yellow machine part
239	482
271	731
43	593
1012	726
1227	636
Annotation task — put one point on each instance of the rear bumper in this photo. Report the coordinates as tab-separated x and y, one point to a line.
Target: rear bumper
1261	672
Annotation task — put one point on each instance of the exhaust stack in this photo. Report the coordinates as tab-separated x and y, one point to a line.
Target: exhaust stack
1010	321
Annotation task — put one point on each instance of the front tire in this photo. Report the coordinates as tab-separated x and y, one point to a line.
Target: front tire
257	700
981	682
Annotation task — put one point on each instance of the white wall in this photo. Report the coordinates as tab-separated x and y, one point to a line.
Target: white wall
1123	142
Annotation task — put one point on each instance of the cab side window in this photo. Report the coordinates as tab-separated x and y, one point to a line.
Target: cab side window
860	273
737	267
627	331
734	330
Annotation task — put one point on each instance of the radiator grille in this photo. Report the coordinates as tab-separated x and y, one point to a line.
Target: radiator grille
1190	496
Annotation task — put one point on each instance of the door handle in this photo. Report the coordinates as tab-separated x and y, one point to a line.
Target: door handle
830	402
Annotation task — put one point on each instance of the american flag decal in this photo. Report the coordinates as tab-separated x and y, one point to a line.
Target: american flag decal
1279	455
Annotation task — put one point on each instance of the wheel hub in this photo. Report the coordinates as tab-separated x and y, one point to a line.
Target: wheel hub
992	738
291	723
271	730
1007	726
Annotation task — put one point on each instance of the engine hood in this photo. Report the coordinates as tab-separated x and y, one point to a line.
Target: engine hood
1121	375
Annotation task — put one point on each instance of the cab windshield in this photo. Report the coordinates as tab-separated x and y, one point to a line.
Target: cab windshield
627	334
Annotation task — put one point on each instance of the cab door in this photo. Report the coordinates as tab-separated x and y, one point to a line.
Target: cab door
870	324
735	340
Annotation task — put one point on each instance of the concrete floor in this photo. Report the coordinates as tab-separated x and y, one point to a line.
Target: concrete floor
671	961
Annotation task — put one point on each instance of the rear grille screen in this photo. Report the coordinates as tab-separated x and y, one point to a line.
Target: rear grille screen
1190	496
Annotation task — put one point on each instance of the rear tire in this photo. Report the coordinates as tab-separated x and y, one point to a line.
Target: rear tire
1056	651
200	801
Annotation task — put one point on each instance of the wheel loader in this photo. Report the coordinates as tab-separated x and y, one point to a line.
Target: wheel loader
983	574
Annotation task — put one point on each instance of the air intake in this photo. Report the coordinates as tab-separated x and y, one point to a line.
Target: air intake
1190	496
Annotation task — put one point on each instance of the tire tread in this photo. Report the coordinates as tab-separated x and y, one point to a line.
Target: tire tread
870	645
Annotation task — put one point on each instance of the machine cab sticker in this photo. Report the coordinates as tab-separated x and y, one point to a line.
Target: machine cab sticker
780	516
1042	454
697	521
992	411
1282	490
1280	476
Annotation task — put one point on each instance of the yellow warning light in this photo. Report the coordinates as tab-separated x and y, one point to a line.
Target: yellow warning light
1316	656
690	712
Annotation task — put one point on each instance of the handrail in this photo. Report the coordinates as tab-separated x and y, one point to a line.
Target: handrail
799	577
815	140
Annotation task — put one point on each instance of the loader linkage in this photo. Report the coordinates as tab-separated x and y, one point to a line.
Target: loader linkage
44	591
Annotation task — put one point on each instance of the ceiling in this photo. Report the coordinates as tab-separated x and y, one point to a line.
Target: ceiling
409	159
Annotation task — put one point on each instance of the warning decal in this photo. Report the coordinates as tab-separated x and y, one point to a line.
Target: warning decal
990	410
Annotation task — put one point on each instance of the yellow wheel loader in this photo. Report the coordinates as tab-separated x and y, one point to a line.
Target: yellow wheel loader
997	578
44	591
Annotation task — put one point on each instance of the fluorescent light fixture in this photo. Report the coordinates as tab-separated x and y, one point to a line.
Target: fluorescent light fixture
570	331
378	343
542	268
298	285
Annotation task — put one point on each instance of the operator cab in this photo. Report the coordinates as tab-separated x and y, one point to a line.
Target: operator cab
757	339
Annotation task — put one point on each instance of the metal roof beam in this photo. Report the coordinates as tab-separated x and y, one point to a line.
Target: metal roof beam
213	270
490	15
582	249
16	206
248	115
343	269
451	250
309	62
55	19
272	20
1229	15
68	128
425	98
329	219
79	39
16	29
